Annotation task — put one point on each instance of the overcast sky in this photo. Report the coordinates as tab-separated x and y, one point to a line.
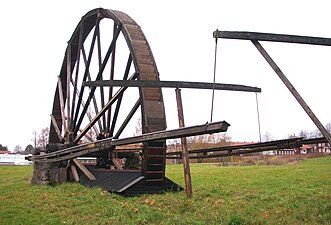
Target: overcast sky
35	33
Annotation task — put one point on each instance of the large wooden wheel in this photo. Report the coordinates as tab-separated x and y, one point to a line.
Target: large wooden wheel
108	45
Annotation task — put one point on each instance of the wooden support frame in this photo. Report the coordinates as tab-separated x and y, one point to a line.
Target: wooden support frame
294	92
255	37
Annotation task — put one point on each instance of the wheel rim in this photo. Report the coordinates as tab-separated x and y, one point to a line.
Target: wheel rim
96	52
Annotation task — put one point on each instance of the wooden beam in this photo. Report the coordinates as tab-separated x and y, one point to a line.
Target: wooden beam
57	129
294	92
107	143
84	169
207	128
285	142
254	36
74	172
171	84
186	162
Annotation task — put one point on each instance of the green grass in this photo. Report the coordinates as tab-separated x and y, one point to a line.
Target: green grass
290	194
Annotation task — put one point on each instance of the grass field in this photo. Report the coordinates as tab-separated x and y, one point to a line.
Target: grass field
287	194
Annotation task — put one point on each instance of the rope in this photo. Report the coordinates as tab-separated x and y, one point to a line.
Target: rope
258	115
212	98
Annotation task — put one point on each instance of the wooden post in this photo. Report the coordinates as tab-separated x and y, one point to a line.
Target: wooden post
294	92
186	163
74	172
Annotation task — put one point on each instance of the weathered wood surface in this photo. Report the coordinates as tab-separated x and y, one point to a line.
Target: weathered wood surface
81	166
184	146
246	149
293	142
105	144
171	84
272	37
74	173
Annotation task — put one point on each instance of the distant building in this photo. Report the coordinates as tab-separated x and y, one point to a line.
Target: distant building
14	159
4	152
323	148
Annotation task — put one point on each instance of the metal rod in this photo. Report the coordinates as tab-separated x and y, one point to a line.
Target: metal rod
186	162
294	92
258	116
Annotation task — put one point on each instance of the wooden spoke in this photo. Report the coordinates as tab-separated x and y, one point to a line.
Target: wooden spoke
112	69
95	104
119	101
85	76
59	85
68	84
110	49
102	111
75	83
128	118
57	129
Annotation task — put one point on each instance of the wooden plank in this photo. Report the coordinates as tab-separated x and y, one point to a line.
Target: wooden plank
272	37
74	172
107	143
186	162
171	84
207	128
294	92
81	166
285	142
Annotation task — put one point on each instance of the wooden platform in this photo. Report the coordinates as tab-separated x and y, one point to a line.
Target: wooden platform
126	182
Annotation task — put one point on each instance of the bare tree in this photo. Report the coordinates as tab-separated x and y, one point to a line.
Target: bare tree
138	128
18	149
304	134
328	127
42	139
267	136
